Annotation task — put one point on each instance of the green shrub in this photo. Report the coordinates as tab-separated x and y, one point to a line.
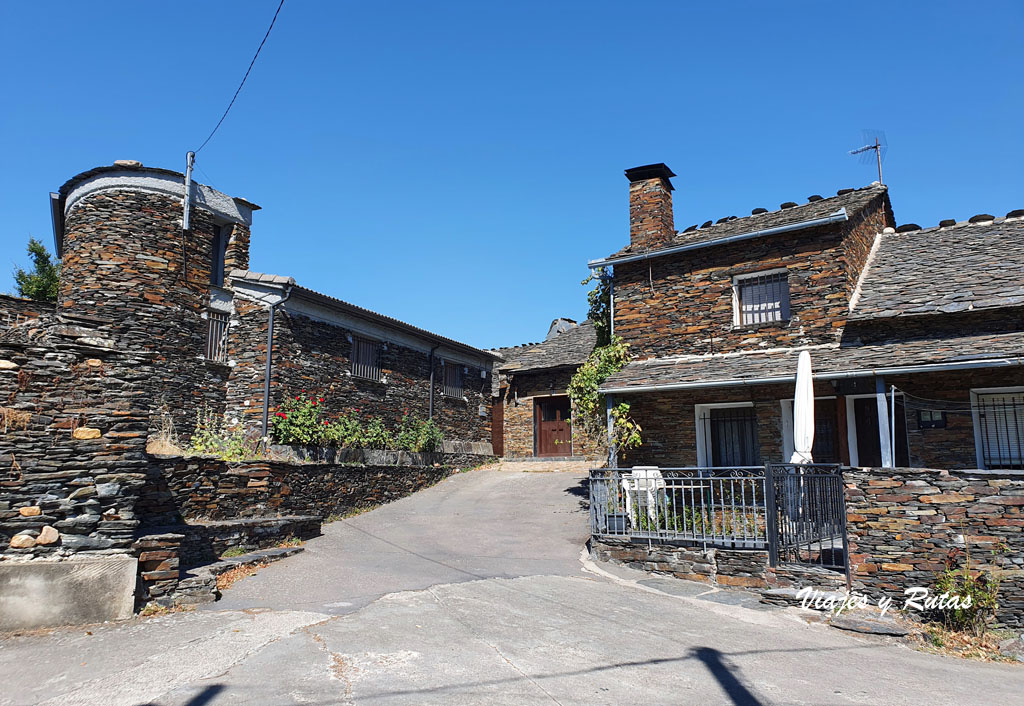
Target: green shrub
213	437
977	595
429	437
297	421
377	436
415	434
346	431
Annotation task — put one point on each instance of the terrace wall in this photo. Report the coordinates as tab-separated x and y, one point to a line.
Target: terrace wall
904	523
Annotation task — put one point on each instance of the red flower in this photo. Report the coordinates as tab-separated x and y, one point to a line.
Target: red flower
296	397
357	410
321	399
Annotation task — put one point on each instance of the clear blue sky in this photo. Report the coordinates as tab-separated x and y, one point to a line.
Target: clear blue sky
456	164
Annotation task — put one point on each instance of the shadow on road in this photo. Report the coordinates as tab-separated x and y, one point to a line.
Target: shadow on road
201	699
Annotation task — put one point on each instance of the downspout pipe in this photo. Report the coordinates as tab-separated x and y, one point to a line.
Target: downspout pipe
430	408
270	363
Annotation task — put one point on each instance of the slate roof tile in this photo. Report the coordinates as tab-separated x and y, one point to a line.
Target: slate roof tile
568	348
714	370
853	200
947	269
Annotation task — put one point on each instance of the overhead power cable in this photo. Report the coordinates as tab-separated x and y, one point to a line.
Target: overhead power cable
239	89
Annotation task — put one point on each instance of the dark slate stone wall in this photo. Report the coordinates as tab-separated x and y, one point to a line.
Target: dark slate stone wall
518	428
315	356
72	443
903	523
125	260
14	310
727	567
683	304
209	489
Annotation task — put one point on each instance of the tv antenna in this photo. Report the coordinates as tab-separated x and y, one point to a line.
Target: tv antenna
876	143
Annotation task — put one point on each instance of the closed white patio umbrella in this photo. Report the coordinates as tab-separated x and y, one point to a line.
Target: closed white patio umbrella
803	411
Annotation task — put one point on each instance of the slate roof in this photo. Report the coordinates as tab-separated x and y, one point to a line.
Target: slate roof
780	364
355	310
853	200
944	270
568	348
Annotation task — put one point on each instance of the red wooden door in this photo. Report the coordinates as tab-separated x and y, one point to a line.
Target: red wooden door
554	427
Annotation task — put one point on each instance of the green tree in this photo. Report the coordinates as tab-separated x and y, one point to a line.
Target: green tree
41	282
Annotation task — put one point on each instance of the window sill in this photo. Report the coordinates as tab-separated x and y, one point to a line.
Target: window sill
782	323
217	363
381	381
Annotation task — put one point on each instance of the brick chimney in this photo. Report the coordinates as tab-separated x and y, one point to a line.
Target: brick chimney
651	225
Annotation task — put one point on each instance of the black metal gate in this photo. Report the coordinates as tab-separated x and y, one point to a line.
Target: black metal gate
807	516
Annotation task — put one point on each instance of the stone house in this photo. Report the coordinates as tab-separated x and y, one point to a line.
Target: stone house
532	409
914	333
189	298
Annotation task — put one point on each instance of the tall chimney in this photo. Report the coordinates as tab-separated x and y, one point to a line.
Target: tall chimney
650	206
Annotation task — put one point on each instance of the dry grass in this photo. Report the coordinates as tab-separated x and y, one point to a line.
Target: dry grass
155	609
14	419
936	639
290	542
157	445
229	577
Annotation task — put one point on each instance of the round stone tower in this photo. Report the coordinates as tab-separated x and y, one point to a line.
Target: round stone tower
127	262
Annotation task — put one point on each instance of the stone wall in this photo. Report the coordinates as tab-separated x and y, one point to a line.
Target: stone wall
72	438
903	523
519	397
200	489
683	304
127	260
14	310
726	567
314	356
669	422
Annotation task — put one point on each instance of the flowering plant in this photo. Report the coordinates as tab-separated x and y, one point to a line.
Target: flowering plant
297	421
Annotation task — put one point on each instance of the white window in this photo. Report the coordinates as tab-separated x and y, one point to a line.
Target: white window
999	427
760	298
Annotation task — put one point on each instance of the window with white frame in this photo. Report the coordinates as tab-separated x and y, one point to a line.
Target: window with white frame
761	297
999	428
727	435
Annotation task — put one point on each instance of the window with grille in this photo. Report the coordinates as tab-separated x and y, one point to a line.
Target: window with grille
366	359
453	380
217	336
729	436
1000	429
761	298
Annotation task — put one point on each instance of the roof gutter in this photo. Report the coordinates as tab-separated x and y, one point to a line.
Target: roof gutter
836	217
901	370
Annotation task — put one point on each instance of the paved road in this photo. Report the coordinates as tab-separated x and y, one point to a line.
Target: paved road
473	592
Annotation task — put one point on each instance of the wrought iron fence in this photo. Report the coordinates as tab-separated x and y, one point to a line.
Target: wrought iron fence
719	506
808	509
796	511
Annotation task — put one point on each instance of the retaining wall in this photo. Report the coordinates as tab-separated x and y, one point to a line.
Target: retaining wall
904	523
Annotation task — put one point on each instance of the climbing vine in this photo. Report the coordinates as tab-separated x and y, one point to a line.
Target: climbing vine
600	301
590	405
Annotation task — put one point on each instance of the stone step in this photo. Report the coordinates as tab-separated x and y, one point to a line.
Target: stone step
199	584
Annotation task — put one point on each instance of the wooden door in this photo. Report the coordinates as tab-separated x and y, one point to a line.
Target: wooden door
553	426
